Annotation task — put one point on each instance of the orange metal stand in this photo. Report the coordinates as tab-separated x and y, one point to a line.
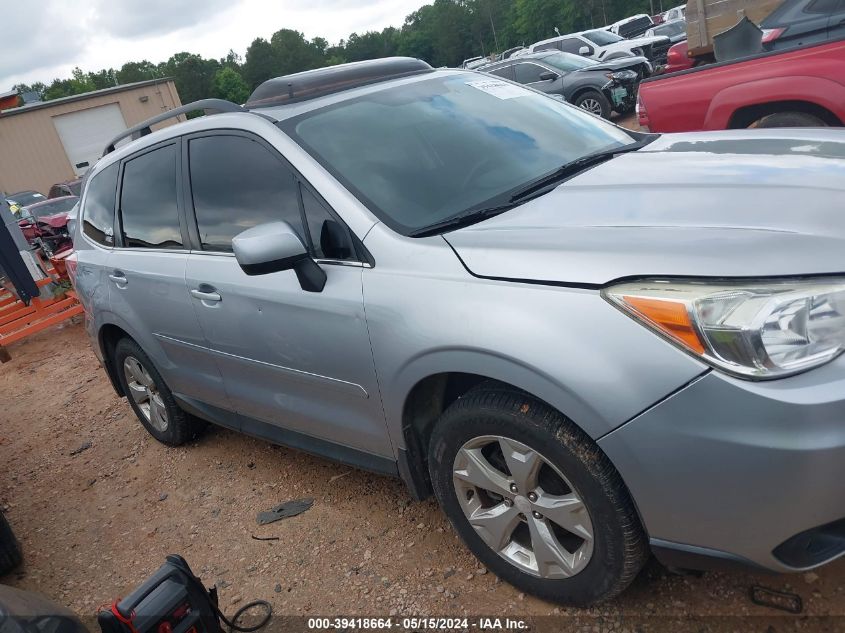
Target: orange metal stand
18	320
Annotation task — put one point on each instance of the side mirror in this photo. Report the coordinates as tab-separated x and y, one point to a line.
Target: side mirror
548	76
584	51
274	247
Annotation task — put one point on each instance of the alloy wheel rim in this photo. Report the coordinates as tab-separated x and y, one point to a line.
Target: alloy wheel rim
592	106
523	507
143	390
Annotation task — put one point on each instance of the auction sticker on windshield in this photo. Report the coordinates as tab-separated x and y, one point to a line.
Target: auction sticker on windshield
499	89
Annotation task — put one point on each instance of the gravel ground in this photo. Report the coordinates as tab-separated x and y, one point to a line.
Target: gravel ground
95	523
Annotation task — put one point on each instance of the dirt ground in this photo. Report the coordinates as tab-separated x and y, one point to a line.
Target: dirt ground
95	523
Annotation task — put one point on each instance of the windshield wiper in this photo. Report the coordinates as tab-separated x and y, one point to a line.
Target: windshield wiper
540	185
463	219
529	190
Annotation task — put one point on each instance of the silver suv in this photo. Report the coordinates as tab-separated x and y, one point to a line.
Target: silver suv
590	344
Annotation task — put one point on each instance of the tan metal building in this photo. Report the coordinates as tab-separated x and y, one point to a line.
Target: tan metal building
53	141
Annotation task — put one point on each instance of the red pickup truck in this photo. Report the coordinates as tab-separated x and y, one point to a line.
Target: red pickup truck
795	88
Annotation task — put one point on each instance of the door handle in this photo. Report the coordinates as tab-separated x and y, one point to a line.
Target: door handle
118	277
206	294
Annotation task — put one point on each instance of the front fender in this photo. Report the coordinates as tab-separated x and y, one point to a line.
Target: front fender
822	92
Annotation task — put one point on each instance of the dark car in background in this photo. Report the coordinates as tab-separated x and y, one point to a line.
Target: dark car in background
67	188
22	199
599	88
803	22
676	31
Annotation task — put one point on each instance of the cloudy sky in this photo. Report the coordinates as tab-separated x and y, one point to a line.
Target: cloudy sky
45	39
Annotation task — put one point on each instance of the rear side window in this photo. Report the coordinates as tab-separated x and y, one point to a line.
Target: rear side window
98	214
551	46
148	207
238	183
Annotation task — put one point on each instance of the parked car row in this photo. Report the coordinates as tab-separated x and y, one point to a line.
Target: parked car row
599	88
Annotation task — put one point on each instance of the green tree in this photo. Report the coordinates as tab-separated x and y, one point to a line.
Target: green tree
192	75
132	72
229	85
259	64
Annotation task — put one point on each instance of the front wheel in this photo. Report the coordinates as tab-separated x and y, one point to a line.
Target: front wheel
594	102
534	497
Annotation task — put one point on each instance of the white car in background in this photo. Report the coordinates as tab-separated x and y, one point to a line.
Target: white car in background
677	13
602	45
632	27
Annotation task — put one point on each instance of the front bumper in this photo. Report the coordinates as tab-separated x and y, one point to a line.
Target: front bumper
751	471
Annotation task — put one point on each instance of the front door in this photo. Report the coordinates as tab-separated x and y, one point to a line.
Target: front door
289	358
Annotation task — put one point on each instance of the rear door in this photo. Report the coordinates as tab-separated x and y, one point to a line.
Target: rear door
291	360
147	273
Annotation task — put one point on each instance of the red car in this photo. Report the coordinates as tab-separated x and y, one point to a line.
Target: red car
45	223
677	59
801	87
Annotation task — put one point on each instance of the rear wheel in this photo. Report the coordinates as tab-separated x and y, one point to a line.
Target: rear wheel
789	119
534	498
594	102
10	549
150	397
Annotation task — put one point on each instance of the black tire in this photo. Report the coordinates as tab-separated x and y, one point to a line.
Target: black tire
789	119
602	105
181	427
10	549
619	542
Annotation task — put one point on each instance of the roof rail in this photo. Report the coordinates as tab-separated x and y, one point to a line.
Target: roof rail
211	106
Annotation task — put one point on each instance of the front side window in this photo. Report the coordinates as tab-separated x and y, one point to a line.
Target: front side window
425	151
506	72
567	62
98	214
329	238
572	45
529	73
603	38
148	208
238	183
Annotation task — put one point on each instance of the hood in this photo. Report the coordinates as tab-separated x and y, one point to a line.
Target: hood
55	221
616	64
724	204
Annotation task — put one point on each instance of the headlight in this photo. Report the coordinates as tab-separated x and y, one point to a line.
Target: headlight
622	75
753	330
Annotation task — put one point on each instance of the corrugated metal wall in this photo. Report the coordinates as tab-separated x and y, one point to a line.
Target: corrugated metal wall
31	153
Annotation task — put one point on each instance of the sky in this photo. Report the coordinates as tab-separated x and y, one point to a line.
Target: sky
45	39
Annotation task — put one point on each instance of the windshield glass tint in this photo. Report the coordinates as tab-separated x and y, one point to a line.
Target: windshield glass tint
51	208
423	152
568	62
602	38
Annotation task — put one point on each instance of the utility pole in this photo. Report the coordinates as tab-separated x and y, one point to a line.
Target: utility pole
492	26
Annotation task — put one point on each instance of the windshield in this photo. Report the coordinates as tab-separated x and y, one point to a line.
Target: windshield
603	38
419	153
567	62
671	29
75	187
60	205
